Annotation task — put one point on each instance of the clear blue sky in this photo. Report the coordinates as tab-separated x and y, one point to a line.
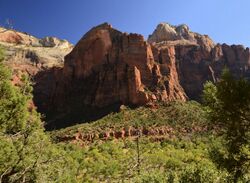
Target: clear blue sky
223	20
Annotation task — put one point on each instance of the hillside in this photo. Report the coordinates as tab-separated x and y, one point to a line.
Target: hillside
171	143
163	121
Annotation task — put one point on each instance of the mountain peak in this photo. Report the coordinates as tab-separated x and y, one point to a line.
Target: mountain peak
11	36
105	25
168	32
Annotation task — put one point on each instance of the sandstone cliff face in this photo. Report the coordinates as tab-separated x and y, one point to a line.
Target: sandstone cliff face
198	59
39	58
21	38
24	49
167	34
196	65
108	67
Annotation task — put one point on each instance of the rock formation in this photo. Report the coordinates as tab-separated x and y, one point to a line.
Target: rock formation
198	58
167	34
108	68
39	58
25	39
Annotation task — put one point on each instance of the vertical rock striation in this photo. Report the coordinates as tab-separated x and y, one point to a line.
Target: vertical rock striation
108	67
198	58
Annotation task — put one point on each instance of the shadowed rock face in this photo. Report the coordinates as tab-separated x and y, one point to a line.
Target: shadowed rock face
108	68
196	65
198	59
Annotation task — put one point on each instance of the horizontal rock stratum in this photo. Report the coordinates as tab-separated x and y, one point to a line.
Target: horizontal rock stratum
108	68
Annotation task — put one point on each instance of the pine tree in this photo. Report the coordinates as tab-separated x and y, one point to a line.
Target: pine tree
229	107
26	153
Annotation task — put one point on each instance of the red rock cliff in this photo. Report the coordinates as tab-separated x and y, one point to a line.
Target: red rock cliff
107	67
198	58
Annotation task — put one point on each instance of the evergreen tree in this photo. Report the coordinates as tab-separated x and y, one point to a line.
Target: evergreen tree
26	153
229	107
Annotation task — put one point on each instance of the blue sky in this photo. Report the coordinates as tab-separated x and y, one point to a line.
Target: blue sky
223	20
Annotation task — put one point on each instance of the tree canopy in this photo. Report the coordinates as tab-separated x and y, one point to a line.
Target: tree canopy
26	153
228	104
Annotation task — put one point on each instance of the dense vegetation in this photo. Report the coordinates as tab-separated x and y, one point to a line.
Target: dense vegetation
229	106
175	142
26	153
187	154
178	115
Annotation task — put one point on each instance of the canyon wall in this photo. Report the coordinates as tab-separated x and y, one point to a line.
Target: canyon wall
108	68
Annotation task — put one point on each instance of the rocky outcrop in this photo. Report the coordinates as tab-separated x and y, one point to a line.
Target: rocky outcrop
196	65
109	67
39	58
55	42
198	58
155	133
15	37
21	38
169	34
22	48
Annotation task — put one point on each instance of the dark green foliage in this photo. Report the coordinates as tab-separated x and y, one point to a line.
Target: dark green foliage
167	161
175	114
21	133
26	153
229	107
183	158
